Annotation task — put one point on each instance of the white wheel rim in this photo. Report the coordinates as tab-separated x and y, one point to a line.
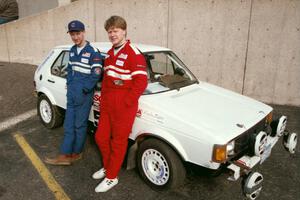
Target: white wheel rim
155	166
45	111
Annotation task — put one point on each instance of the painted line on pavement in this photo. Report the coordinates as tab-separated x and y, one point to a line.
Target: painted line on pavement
17	119
41	168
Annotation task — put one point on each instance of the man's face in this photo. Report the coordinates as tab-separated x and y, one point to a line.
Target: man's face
117	36
77	37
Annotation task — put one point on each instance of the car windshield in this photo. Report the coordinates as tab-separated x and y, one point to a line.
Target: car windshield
166	72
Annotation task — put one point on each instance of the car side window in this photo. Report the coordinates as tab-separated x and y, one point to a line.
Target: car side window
59	68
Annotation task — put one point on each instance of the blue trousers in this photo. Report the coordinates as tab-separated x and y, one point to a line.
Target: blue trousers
76	119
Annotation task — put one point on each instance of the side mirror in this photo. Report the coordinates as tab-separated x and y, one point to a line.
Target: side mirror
55	71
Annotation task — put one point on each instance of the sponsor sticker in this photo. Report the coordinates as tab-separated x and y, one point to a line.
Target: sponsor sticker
123	56
96	59
86	55
120	63
97	71
118	82
85	60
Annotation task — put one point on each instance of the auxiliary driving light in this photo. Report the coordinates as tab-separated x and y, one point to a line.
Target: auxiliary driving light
252	185
260	143
290	142
281	126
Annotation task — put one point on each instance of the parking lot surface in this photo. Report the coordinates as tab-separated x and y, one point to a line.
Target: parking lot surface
20	179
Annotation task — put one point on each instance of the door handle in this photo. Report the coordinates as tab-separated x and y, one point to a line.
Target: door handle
51	81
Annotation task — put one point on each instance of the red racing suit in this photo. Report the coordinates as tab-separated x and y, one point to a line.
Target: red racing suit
125	79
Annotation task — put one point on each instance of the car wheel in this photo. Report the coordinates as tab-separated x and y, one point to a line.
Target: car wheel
50	115
159	165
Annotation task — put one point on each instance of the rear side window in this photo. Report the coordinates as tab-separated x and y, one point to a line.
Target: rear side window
59	68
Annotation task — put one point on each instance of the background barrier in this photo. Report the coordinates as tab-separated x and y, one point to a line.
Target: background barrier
249	46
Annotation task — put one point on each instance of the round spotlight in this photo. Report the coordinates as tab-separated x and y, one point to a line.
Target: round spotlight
281	126
260	143
290	142
252	185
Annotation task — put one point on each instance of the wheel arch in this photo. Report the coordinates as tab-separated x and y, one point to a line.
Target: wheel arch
173	143
47	93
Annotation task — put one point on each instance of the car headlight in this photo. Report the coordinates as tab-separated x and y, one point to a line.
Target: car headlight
221	152
230	148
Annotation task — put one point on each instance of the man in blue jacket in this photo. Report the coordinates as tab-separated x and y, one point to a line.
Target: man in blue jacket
84	70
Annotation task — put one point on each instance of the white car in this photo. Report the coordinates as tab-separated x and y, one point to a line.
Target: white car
179	120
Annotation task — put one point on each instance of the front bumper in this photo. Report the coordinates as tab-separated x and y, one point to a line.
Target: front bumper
262	150
244	164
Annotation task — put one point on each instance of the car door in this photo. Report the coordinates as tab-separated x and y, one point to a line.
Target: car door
57	79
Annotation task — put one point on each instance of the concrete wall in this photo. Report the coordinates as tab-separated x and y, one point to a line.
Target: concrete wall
249	46
273	62
147	19
30	7
211	37
31	38
3	45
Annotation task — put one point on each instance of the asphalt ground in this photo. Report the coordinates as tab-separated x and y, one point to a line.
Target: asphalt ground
20	180
16	88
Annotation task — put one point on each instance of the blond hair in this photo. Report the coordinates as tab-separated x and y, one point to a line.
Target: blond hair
115	22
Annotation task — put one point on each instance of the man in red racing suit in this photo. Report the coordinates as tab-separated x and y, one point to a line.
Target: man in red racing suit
125	79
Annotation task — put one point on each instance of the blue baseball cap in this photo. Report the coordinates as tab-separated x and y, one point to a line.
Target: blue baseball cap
75	25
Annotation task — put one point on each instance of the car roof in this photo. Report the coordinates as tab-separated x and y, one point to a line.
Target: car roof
105	46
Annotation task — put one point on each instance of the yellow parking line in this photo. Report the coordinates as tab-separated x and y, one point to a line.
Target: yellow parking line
41	168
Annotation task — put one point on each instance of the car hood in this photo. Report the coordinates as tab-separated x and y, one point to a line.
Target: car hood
205	111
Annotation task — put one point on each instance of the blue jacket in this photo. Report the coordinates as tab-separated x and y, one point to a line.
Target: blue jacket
84	69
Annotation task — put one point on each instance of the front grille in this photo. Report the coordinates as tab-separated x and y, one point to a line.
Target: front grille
244	143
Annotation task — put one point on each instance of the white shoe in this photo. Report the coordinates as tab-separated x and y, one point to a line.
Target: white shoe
99	174
106	185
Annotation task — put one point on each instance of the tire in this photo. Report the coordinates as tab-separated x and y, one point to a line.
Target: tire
154	157
51	116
